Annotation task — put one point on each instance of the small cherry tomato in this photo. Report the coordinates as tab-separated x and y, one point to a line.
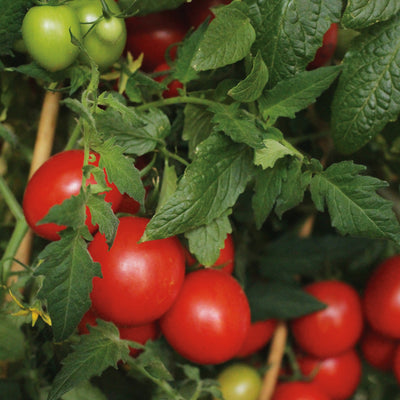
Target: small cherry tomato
336	328
105	40
140	333
258	335
239	381
378	350
381	298
140	280
56	180
197	11
298	391
173	86
152	34
46	34
325	53
337	376
210	318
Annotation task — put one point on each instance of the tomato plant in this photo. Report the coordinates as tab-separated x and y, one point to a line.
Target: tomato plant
173	86
197	11
325	53
298	391
56	180
46	34
337	376
239	381
210	318
104	35
380	298
140	280
335	329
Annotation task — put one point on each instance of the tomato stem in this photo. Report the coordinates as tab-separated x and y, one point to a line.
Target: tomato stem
10	199
177	100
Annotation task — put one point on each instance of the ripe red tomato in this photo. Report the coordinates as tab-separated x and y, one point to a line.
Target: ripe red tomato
298	391
140	334
59	178
173	86
152	34
140	280
197	11
381	298
337	376
258	335
336	328
226	259
209	320
396	364
326	51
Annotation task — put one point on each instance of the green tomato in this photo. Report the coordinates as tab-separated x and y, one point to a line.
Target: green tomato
105	41
46	34
239	381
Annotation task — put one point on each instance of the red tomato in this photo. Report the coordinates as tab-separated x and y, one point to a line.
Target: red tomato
152	34
226	259
381	298
326	51
140	334
396	364
173	86
59	178
209	321
336	328
378	350
197	11
258	335
140	280
337	376
298	391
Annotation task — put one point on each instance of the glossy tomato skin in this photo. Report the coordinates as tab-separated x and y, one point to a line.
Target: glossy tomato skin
45	31
59	178
336	328
381	299
173	86
140	333
325	53
258	335
337	376
197	11
378	350
298	391
152	34
106	41
239	381
140	280
209	320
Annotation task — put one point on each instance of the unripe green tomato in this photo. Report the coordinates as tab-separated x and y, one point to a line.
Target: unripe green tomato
46	34
239	381
105	42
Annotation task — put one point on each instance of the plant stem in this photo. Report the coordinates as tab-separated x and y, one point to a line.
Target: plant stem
168	154
176	100
74	137
10	200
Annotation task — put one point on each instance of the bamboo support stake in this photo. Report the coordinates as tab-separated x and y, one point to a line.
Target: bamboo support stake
41	152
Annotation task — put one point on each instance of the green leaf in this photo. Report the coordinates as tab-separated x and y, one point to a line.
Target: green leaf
280	300
289	32
238	124
228	38
95	352
184	71
77	107
12	340
85	391
12	14
252	86
197	126
206	242
368	94
353	204
360	14
294	94
169	184
210	185
103	216
68	270
121	170
137	133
